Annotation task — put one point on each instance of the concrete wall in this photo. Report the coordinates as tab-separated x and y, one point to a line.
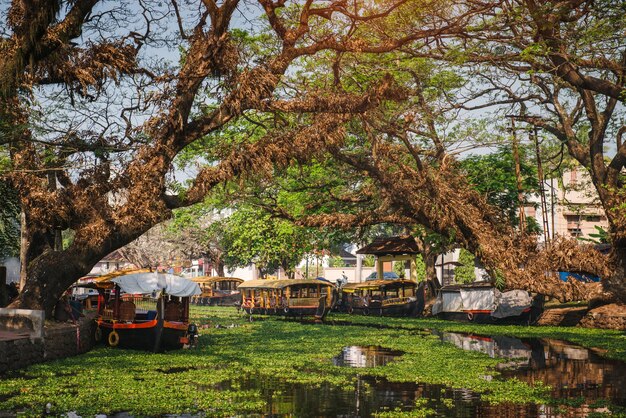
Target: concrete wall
22	321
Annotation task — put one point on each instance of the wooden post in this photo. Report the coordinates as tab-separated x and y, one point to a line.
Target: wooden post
4	297
379	268
542	190
23	249
413	268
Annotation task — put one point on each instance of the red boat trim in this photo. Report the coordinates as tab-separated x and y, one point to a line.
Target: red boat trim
143	325
121	325
175	325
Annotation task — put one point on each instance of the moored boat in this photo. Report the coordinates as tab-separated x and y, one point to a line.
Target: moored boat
396	297
484	303
217	291
297	297
144	310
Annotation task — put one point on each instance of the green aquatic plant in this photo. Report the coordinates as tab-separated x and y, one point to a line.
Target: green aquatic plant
608	343
220	376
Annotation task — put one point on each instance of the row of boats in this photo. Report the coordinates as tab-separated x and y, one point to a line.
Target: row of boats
150	310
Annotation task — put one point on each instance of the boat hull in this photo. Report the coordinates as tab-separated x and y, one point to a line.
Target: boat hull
317	312
526	318
401	309
226	300
151	335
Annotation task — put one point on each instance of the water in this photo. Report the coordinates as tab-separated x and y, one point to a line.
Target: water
573	372
576	374
368	356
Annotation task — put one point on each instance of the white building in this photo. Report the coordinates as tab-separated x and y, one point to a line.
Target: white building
573	207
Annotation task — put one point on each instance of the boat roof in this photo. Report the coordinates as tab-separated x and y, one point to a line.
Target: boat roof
376	284
214	279
349	287
258	284
105	281
280	284
144	281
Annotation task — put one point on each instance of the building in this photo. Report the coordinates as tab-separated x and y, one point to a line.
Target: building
112	262
573	208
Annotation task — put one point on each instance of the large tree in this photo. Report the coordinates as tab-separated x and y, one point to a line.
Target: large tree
400	166
93	126
559	67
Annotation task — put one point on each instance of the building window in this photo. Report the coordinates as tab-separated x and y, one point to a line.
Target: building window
573	221
593	218
575	232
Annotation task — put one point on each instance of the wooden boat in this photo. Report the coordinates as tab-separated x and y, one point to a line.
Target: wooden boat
300	297
217	291
144	310
484	303
397	297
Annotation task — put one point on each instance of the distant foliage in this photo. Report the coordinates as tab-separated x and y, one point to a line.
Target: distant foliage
493	175
398	268
369	261
420	267
336	261
601	236
250	235
465	272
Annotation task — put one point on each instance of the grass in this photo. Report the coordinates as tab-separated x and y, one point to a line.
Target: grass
187	381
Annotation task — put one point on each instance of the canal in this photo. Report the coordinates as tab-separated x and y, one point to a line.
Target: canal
348	367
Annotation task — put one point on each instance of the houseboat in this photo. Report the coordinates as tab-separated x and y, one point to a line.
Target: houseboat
217	291
144	310
482	302
395	297
299	297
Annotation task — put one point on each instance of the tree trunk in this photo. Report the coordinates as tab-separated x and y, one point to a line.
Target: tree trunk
220	268
51	272
615	283
23	250
431	273
49	276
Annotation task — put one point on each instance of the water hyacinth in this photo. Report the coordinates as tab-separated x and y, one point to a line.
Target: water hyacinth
261	367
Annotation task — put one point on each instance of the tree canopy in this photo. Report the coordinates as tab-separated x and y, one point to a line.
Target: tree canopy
327	114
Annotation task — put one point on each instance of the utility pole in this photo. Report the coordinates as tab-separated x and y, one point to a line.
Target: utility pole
542	190
518	179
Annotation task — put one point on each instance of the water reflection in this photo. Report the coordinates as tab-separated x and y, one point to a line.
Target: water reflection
572	371
576	374
368	396
365	356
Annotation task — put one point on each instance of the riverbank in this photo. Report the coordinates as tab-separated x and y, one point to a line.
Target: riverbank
275	366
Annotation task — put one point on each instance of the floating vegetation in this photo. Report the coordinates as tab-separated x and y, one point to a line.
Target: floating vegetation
285	367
